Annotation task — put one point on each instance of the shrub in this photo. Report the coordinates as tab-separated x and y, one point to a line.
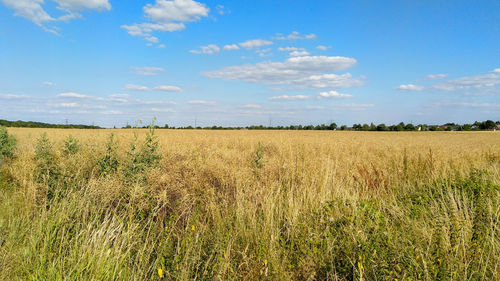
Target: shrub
108	164
7	144
47	171
71	146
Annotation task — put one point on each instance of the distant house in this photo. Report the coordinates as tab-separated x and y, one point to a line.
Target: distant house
496	128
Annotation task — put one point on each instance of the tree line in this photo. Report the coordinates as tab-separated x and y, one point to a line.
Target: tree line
476	126
32	124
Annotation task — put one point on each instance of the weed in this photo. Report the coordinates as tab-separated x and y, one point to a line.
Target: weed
7	144
109	162
70	146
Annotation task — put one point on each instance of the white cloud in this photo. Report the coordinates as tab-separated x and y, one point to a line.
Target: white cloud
435	76
164	11
410	87
299	53
333	95
231	47
33	11
132	87
208	50
478	82
221	10
167	16
294	51
47	83
112	112
67	105
72	95
75	5
152	39
353	106
167	88
155	109
251	105
289	98
295	36
145	29
11	96
255	43
201	102
466	104
310	72
164	88
147	70
161	46
323	48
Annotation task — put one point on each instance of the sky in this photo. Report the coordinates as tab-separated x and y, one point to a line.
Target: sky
249	62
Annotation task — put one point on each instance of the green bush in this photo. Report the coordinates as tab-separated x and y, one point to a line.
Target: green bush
108	164
7	144
71	146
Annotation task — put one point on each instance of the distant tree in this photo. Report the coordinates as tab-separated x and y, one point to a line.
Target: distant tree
365	127
382	127
343	127
487	125
410	127
332	126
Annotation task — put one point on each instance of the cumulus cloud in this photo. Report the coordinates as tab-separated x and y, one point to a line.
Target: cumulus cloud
435	76
167	88
34	11
167	16
299	53
163	110
333	95
221	10
163	88
132	87
478	82
255	43
208	50
353	106
309	72
295	36
72	95
201	102
11	96
322	47
410	87
147	70
231	47
294	51
289	98
251	106
465	104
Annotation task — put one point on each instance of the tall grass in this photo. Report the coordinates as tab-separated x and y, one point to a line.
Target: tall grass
182	205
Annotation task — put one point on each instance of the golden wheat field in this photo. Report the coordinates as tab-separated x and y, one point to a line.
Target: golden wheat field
250	205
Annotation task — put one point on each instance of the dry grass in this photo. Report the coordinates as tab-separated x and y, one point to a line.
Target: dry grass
324	205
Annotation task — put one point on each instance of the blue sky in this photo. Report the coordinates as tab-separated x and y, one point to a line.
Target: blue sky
237	63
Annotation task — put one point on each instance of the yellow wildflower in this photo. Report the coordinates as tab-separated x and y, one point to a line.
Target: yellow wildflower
160	272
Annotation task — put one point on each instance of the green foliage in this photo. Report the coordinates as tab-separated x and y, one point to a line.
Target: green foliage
149	151
259	155
138	160
31	124
109	162
7	144
71	146
47	171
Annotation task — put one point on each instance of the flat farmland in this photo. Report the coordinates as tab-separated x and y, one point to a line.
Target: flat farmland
138	204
